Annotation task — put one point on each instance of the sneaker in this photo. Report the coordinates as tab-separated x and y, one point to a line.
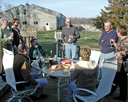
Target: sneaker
120	98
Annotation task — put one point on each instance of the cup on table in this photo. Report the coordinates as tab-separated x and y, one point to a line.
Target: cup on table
46	62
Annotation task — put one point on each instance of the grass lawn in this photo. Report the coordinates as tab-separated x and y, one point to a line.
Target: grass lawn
46	39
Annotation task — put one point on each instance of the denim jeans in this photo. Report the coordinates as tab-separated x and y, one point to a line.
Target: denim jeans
102	57
42	81
71	51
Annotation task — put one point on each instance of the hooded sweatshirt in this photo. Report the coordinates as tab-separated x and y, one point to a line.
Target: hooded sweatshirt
86	73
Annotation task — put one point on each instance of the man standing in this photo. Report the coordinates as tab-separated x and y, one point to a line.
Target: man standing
22	71
70	35
107	50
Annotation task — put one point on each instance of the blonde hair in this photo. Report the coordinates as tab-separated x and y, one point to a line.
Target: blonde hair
85	52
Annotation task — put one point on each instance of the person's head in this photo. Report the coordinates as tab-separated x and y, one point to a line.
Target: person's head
85	52
121	31
33	42
108	25
68	22
15	22
23	48
4	23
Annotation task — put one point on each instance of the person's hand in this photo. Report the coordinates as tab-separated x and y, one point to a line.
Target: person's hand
102	40
71	36
118	55
65	44
112	42
11	35
36	46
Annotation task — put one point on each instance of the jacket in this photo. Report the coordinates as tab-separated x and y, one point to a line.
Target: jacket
86	74
22	70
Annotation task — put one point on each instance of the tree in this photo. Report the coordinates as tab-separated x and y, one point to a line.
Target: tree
117	11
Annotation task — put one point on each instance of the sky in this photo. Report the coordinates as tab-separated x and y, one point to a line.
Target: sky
69	8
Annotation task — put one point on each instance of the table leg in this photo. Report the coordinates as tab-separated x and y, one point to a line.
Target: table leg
59	89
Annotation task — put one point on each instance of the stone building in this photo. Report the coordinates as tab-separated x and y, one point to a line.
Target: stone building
33	16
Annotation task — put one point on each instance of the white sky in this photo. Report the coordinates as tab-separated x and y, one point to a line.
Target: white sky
69	8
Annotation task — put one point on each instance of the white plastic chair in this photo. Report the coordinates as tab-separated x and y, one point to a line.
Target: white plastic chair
8	58
105	84
95	56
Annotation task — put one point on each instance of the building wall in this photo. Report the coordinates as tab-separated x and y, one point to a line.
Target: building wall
33	16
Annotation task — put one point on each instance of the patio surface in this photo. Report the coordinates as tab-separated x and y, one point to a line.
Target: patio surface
51	91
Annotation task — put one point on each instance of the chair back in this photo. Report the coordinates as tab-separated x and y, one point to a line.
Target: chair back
8	58
108	73
95	55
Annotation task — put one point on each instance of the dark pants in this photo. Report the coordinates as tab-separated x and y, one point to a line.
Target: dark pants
121	81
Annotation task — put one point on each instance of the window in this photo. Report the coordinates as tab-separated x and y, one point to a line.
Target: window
35	22
17	12
24	22
24	12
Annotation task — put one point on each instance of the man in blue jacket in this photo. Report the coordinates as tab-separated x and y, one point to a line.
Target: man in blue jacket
107	50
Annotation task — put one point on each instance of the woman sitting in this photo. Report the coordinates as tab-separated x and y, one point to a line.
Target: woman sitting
85	72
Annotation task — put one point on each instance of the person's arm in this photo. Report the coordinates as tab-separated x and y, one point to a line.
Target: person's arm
25	71
31	54
63	37
77	35
75	74
104	41
101	40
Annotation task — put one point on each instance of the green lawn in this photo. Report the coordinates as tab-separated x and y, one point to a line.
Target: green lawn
46	39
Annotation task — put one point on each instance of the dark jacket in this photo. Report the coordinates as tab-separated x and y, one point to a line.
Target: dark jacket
16	37
32	50
22	70
85	74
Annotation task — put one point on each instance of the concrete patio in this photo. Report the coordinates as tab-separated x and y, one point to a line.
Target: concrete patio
51	91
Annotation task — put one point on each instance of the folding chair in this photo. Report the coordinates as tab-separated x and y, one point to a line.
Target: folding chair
8	58
105	84
95	55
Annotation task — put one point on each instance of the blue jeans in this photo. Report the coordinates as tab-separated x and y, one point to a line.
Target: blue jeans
102	57
71	87
42	81
71	51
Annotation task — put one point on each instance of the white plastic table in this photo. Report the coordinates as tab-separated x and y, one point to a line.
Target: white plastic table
59	74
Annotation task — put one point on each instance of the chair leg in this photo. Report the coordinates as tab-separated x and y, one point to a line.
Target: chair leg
9	100
19	100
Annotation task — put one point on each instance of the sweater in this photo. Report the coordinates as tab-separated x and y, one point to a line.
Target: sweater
104	41
70	31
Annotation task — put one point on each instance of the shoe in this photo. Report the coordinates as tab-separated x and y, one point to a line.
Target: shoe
120	98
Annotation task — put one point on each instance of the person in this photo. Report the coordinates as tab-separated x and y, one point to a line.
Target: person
6	37
122	58
107	50
35	50
70	35
85	72
17	37
22	71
